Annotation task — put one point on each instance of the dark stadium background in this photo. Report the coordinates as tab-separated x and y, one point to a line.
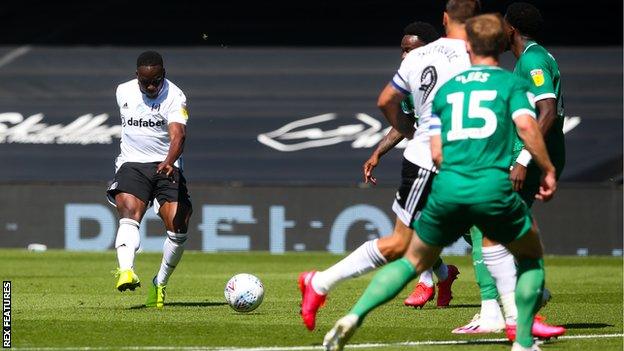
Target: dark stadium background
274	23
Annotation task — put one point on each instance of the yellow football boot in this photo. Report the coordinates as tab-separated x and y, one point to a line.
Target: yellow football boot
127	280
156	296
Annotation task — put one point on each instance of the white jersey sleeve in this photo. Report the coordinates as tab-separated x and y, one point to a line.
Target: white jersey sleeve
400	83
178	111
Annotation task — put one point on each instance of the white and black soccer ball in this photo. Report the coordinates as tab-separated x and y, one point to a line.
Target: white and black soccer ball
244	292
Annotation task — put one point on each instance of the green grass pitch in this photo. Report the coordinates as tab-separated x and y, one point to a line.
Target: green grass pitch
65	301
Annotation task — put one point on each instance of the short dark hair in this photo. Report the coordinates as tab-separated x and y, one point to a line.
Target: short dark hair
462	10
486	35
149	58
525	17
423	30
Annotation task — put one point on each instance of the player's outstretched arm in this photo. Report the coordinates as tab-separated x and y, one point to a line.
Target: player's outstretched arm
177	136
528	131
389	103
388	142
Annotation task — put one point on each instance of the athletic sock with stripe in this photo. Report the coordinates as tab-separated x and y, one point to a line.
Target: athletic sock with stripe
364	259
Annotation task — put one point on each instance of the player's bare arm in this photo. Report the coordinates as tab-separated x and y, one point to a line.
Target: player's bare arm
529	132
388	142
177	135
389	103
547	115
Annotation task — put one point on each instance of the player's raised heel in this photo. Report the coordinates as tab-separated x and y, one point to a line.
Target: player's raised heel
342	331
128	280
311	301
156	295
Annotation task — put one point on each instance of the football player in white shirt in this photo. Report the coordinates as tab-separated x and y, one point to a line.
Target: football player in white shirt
315	286
421	73
149	170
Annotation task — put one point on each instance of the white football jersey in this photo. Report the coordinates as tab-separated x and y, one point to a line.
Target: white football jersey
145	122
421	74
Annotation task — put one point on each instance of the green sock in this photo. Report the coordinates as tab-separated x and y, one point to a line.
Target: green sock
528	294
487	285
386	284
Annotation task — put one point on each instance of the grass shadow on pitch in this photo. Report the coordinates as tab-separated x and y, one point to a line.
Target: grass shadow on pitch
185	304
586	325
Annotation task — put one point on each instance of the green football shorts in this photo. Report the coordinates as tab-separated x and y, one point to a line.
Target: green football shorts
442	223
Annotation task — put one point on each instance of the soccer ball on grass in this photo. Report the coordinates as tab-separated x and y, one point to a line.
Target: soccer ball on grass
244	292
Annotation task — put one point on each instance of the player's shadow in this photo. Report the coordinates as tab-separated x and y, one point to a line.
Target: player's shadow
586	325
185	304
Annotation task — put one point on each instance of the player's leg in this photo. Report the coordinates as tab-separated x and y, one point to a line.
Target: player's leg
501	264
507	221
315	286
527	193
130	193
131	210
176	216
528	252
370	255
414	188
501	268
539	328
385	285
390	280
410	200
490	318
434	231
175	211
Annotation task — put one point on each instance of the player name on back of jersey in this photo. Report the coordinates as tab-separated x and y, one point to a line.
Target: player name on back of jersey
473	76
439	46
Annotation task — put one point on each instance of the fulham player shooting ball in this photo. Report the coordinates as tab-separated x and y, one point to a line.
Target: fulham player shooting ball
149	171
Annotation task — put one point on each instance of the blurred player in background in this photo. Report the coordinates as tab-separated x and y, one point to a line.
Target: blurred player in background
315	286
149	170
471	126
424	291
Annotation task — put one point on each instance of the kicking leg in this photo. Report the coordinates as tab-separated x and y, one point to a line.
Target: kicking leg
315	286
